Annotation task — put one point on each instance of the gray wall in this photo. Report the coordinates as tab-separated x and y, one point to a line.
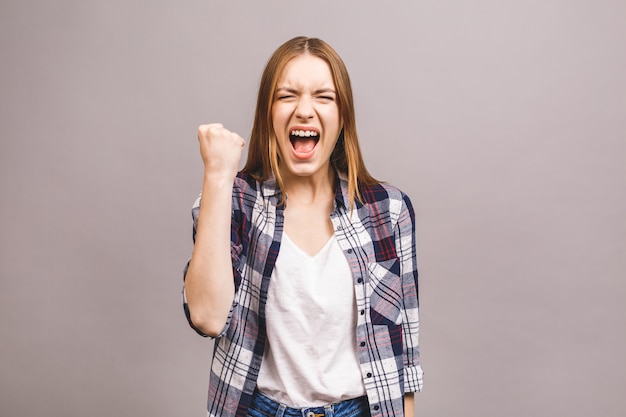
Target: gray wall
504	121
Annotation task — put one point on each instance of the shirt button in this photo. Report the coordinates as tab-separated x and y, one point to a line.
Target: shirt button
362	344
339	228
376	407
369	375
360	280
349	250
362	312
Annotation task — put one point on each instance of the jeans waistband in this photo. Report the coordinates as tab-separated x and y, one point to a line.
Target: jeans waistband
356	407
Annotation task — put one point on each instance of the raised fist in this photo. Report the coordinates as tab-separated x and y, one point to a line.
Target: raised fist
220	149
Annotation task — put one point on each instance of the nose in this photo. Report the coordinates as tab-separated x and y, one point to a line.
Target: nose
304	109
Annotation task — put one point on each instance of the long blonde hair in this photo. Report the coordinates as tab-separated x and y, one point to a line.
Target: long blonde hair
263	151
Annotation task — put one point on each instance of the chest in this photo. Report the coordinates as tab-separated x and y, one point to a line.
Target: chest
364	238
309	227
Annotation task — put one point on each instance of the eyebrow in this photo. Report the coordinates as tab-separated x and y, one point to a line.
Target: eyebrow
295	91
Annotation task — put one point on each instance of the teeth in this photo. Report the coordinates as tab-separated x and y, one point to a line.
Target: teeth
303	133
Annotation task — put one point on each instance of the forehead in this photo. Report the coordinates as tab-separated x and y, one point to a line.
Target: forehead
306	70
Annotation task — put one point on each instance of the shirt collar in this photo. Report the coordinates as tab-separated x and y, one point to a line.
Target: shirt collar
341	193
270	189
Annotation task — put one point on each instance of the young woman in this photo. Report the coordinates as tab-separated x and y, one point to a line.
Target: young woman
303	267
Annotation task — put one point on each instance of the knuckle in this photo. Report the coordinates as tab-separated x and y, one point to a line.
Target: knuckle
209	128
204	130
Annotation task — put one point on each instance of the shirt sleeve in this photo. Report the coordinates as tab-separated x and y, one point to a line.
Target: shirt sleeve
405	248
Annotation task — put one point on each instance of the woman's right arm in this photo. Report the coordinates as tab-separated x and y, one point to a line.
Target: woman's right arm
209	283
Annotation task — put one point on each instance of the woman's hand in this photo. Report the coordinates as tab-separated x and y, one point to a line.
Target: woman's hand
220	149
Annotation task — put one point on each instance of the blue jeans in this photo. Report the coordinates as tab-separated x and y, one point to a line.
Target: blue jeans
262	406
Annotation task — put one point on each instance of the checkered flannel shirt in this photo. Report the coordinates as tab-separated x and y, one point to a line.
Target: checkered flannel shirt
378	240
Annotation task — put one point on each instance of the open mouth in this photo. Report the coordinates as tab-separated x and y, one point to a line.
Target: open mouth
303	141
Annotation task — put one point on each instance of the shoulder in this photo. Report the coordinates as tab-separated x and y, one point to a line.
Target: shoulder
246	190
383	194
245	181
249	191
386	204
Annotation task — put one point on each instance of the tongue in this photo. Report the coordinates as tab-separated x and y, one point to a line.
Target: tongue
303	145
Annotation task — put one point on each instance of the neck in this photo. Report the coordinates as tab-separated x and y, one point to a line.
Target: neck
310	189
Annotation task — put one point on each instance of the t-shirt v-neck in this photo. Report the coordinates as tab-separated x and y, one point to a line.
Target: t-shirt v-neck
326	247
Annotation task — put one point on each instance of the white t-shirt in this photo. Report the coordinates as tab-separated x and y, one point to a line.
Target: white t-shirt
310	357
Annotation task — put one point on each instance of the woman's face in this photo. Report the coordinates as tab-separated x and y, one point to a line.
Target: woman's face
306	117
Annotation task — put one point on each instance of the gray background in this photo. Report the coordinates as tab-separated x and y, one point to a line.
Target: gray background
503	120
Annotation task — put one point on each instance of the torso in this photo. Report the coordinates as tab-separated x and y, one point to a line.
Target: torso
371	227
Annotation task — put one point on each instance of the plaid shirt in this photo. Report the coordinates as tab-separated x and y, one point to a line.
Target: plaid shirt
378	240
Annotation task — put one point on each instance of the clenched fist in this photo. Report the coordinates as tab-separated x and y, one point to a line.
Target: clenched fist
220	150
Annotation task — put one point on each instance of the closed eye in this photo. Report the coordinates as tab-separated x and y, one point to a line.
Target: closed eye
285	97
325	94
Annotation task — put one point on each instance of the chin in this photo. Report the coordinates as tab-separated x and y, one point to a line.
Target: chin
307	169
302	171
